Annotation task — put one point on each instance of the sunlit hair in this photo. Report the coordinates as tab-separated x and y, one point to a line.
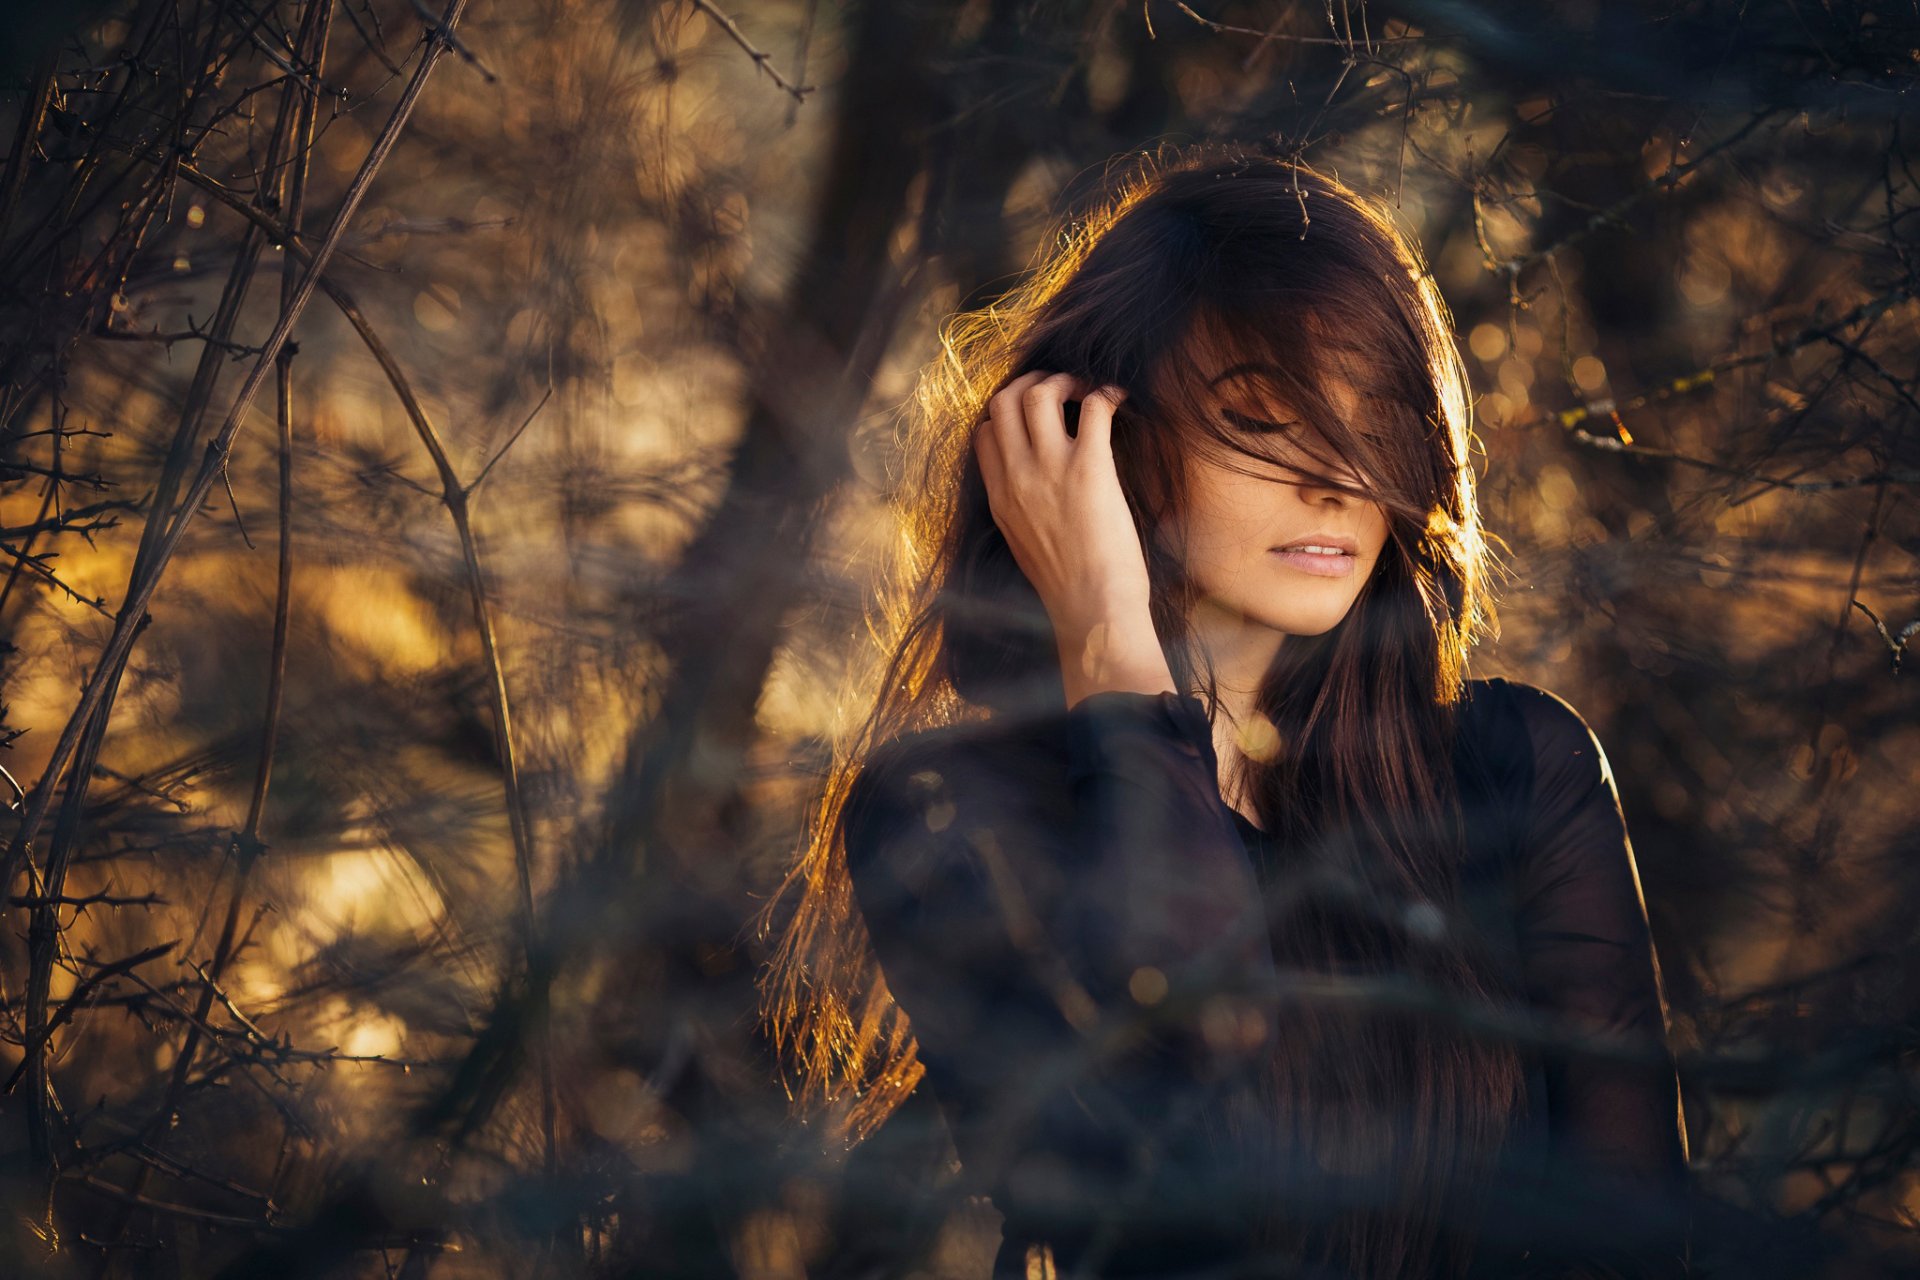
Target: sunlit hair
1199	261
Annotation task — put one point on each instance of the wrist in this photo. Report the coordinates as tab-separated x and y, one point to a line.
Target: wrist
1108	656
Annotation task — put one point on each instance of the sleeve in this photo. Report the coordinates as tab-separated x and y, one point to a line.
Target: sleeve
1026	938
1617	1137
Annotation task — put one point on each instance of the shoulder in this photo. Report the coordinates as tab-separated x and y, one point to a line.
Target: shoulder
899	777
1561	780
1576	827
935	821
928	760
1556	731
926	782
1565	746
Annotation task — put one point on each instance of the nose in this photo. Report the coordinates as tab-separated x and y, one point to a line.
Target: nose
1317	492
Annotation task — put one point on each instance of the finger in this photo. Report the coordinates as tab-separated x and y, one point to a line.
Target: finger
986	448
1008	421
1096	417
1044	415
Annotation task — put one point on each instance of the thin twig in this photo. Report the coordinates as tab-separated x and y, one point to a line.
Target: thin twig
761	59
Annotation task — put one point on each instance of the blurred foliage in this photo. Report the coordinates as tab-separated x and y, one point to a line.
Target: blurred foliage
408	935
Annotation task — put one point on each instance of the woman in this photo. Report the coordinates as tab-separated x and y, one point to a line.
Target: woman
1235	929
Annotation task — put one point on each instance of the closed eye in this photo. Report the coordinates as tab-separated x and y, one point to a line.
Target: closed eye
1258	425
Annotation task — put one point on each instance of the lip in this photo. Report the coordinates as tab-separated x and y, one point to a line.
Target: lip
1343	541
1318	565
1322	566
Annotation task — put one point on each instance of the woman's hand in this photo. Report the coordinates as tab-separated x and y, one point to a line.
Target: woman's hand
1058	503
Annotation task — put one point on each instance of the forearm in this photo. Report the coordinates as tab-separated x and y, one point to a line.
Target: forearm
1165	882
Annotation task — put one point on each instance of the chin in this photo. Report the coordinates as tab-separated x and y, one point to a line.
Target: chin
1310	626
1301	622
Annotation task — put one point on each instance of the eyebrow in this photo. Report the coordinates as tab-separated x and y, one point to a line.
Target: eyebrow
1245	366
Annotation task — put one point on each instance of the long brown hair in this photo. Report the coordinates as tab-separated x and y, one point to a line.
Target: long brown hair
1286	275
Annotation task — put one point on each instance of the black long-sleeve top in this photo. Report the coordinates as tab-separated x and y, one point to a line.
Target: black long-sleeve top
1030	888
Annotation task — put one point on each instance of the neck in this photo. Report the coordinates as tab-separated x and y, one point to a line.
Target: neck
1241	651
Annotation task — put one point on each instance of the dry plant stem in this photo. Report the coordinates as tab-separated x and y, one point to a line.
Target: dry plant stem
198	396
109	266
133	1200
48	498
107	273
457	498
88	726
1615	214
31	119
246	847
44	933
77	999
217	449
1866	313
760	58
94	700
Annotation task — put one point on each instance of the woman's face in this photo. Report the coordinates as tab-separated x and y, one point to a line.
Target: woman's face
1242	529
